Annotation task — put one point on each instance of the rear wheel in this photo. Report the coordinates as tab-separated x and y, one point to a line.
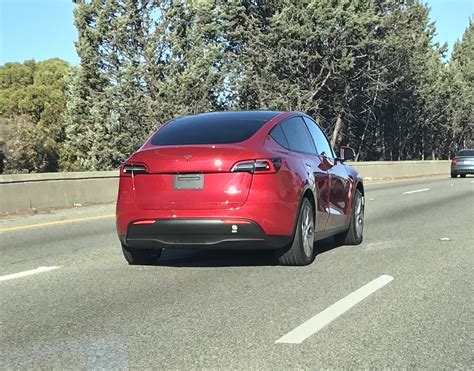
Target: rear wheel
454	175
463	175
141	257
301	251
355	233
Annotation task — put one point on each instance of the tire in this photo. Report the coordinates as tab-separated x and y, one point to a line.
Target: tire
355	233
463	175
141	257
301	251
454	175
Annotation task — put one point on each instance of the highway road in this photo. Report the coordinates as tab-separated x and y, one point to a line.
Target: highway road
402	299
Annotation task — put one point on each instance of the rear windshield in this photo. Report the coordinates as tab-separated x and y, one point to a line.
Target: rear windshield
466	153
211	128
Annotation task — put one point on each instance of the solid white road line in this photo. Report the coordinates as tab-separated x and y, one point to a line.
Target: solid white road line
26	273
416	191
313	325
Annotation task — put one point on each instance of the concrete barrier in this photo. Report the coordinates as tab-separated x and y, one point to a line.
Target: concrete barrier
54	190
401	169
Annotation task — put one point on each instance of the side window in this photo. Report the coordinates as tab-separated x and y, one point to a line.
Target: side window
279	136
320	141
298	136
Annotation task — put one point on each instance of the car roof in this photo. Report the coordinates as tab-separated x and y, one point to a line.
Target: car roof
260	115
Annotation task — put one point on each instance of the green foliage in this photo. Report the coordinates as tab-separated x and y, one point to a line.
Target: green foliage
32	103
461	100
142	63
369	71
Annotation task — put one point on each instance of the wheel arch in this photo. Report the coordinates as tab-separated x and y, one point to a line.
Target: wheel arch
360	186
309	194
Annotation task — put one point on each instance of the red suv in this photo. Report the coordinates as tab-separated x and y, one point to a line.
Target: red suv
238	180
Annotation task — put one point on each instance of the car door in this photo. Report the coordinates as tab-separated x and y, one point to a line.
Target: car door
301	144
339	185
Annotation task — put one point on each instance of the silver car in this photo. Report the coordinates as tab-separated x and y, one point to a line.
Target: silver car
463	163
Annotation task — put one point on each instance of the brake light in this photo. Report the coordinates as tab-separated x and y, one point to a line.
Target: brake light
133	169
455	161
265	166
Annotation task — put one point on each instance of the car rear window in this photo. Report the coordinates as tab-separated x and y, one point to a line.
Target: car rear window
466	153
211	128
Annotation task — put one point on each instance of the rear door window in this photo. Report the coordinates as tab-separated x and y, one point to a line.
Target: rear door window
298	136
320	141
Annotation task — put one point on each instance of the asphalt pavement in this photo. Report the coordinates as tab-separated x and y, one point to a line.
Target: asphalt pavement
401	299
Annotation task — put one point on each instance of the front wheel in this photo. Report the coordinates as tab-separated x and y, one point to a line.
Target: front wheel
454	175
463	175
301	251
141	257
355	233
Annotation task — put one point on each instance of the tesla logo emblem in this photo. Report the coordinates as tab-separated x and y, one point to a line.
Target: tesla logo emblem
187	157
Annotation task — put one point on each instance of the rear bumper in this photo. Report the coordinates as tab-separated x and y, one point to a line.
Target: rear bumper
462	169
271	204
201	233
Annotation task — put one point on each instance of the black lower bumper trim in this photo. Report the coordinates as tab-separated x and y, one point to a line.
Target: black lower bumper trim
460	169
202	233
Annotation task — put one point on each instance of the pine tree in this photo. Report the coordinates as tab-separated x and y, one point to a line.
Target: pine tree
462	99
143	62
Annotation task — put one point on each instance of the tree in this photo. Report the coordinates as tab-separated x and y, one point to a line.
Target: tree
461	104
142	63
31	106
363	69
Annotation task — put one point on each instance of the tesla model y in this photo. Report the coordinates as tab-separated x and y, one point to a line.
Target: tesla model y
238	180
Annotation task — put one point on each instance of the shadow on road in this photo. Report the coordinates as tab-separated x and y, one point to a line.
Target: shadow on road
230	258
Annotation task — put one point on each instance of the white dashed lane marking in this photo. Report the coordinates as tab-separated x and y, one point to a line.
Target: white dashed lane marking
416	191
313	325
27	273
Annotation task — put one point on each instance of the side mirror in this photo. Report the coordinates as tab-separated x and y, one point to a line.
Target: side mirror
346	153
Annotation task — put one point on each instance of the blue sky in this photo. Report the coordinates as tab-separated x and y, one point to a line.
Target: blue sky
42	29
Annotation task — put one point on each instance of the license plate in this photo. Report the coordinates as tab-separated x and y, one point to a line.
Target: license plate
188	181
467	162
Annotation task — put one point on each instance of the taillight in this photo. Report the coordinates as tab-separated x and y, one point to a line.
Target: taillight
454	161
133	169
257	166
